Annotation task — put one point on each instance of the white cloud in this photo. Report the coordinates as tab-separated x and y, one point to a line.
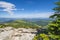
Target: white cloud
35	15
31	15
43	15
38	15
8	7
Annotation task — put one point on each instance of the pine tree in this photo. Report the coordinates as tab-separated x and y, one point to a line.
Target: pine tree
54	26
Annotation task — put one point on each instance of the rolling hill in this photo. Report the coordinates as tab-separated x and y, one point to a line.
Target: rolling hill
20	24
26	23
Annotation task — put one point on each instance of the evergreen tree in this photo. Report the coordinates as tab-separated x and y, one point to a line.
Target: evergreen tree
54	26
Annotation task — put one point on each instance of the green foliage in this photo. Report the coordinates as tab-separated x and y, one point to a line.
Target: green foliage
57	3
54	26
55	16
41	37
2	25
55	36
57	9
42	22
21	24
44	36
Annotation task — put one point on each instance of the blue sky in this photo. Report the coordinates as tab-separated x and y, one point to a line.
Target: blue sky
26	8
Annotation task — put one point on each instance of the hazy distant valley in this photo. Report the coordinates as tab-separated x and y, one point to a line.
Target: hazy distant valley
38	21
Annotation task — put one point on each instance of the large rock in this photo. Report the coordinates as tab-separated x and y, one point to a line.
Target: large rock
10	33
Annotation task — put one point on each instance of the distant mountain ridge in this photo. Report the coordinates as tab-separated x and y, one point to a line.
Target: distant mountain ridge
27	19
38	21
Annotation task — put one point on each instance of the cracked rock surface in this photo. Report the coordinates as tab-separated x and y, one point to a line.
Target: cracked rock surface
9	33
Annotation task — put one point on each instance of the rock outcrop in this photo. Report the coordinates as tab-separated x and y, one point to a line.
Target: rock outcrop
10	33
